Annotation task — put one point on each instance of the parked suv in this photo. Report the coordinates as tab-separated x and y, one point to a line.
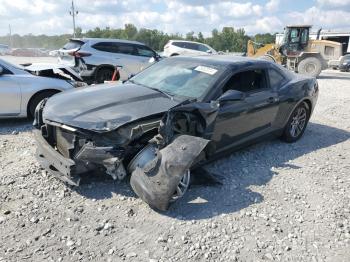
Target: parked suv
178	47
4	49
96	58
344	64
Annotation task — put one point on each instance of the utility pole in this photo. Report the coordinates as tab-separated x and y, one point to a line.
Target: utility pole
73	13
10	36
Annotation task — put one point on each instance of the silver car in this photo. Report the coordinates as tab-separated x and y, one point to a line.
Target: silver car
96	58
22	88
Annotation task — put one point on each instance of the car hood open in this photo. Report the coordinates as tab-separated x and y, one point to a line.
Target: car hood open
103	108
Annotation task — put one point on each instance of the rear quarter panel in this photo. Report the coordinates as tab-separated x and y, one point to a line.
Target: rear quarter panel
297	90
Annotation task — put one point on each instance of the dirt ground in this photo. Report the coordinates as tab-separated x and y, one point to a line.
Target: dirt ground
278	202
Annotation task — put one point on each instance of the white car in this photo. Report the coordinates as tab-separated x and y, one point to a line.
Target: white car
4	49
187	48
22	88
95	58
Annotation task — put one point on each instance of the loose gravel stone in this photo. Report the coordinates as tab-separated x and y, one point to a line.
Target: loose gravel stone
277	202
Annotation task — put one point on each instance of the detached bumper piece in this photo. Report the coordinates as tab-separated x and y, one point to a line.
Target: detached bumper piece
54	162
156	182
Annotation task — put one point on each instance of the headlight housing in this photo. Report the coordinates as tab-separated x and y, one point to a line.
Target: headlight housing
77	84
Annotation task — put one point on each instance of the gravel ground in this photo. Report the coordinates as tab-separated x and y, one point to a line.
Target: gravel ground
282	202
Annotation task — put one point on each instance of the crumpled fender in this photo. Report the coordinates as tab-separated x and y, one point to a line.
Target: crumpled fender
157	181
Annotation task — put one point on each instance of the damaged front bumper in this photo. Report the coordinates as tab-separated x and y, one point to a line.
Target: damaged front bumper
54	162
88	158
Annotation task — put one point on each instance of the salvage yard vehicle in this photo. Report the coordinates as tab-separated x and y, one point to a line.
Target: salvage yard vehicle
298	53
169	119
344	64
4	49
95	58
23	87
188	48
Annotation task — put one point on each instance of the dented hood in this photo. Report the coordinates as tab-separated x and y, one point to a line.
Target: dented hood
105	107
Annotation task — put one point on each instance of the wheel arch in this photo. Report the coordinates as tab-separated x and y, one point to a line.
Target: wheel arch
308	103
53	90
304	100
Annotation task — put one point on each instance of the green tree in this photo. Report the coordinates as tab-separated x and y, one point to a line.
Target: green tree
130	31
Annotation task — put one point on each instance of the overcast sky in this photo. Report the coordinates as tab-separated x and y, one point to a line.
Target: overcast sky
256	16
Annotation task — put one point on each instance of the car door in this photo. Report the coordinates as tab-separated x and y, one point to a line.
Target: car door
10	94
131	62
240	121
144	54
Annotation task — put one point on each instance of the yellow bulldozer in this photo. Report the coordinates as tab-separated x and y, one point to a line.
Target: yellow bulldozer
297	52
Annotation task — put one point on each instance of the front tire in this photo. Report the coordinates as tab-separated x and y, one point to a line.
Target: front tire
36	99
310	66
103	74
296	124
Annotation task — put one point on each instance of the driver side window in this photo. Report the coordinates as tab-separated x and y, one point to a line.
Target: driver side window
247	81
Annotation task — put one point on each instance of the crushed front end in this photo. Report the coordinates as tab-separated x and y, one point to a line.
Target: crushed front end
157	152
68	152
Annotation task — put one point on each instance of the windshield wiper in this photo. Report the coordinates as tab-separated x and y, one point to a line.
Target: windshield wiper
161	91
155	89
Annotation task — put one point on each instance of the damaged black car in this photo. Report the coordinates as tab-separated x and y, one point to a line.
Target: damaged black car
169	119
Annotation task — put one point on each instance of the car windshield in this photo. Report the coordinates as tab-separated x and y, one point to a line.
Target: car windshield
187	79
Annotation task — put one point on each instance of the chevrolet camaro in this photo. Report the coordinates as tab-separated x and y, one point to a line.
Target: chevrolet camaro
169	119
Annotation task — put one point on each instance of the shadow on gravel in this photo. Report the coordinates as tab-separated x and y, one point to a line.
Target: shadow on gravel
101	186
239	171
8	126
252	166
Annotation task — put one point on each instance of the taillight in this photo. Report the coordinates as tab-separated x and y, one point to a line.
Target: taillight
79	54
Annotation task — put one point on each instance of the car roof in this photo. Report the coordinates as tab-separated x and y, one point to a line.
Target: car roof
96	40
185	41
224	60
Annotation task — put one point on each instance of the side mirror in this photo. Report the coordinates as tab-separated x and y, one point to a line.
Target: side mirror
209	51
230	96
130	76
152	60
1	70
155	58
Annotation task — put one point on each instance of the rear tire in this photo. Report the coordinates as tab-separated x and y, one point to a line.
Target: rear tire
296	124
104	74
36	99
310	66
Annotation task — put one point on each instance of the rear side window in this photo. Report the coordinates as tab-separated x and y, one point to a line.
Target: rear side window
113	47
192	46
246	81
144	51
73	44
203	48
276	79
178	44
126	49
106	47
